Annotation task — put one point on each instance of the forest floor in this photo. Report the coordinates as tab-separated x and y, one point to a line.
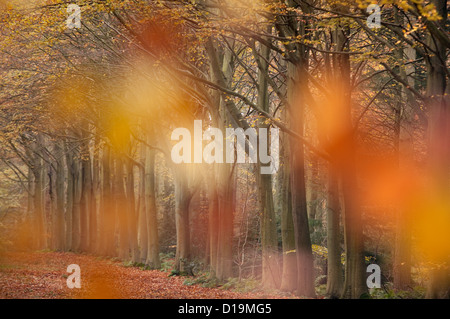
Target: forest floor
42	275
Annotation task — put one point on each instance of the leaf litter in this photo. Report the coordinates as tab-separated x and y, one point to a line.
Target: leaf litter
42	275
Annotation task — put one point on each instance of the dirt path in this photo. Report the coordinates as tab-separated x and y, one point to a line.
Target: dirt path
43	275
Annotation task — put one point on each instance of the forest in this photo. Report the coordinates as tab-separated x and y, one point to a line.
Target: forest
294	148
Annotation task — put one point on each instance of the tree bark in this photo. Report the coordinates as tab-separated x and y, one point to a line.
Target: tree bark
152	260
142	219
269	241
59	220
39	212
86	192
405	151
121	209
107	211
221	73
289	274
439	143
131	213
334	266
69	197
77	184
182	200
93	211
305	276
213	223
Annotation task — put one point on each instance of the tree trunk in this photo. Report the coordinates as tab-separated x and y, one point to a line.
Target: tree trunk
289	274
225	235
334	266
439	148
93	214
405	151
152	260
131	213
77	185
182	201
39	211
305	286
86	191
59	216
107	211
343	153
269	241
213	228
221	73
354	285
305	276
121	210
52	225
313	192
69	198
142	222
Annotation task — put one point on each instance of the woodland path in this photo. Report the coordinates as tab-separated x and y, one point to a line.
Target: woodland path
43	275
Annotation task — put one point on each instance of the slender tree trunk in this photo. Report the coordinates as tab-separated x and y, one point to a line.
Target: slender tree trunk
30	237
39	212
313	191
51	206
213	228
300	217
225	235
30	184
439	145
59	220
121	210
69	197
343	153
289	26
354	285
334	266
143	233
404	145
131	214
289	275
213	217
305	277
221	73
93	214
76	223
269	241
86	191
153	260
182	201
106	212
